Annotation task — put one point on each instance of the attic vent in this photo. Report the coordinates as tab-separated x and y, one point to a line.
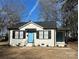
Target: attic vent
42	44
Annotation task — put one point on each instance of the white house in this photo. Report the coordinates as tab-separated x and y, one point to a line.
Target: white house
36	34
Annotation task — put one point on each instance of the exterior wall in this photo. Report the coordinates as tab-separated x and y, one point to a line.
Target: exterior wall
54	37
49	42
31	26
61	43
14	42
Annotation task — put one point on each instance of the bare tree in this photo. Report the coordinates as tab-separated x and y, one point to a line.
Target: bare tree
10	12
48	10
51	11
70	12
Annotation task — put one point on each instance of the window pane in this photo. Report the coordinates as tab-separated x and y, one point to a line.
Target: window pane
21	34
16	34
59	36
41	34
45	34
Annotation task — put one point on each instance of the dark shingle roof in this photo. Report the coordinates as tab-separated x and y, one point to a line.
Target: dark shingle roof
45	24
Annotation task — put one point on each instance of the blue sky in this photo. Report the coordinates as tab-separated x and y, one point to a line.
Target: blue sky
29	4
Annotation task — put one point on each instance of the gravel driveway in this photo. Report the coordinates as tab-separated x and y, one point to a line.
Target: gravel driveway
37	53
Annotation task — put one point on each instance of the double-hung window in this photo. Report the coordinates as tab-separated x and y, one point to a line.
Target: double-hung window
16	34
40	34
21	34
45	34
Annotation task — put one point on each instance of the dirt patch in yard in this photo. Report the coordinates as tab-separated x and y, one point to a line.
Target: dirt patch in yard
73	45
70	52
36	53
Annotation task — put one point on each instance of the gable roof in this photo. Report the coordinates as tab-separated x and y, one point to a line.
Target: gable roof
44	24
30	23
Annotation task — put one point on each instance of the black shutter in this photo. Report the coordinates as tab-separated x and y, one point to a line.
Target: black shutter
13	34
49	34
37	34
24	34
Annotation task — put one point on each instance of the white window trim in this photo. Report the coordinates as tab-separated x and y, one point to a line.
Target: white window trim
45	34
16	34
41	35
21	34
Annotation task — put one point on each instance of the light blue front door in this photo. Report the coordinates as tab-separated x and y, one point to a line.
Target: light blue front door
30	37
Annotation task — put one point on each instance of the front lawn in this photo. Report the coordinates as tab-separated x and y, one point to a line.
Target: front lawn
7	52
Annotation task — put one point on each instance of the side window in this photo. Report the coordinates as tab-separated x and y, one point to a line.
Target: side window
40	34
45	34
59	36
